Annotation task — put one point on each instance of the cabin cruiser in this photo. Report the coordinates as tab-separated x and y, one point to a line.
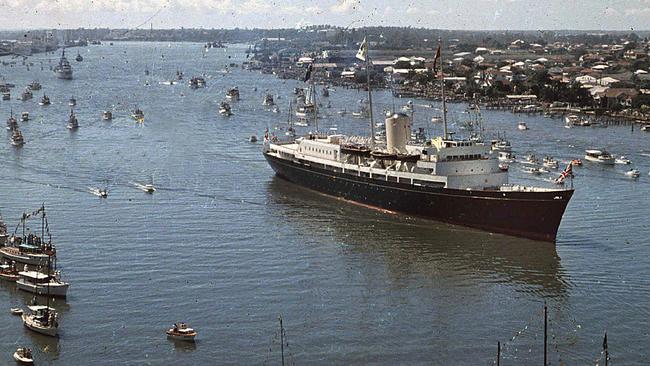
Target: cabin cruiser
43	320
23	356
522	126
45	100
225	109
72	102
24	116
73	123
549	162
233	93
107	115
623	160
633	173
138	115
573	120
535	170
197	82
501	144
181	332
63	70
26	95
17	138
506	157
599	156
6	96
645	128
42	284
34	85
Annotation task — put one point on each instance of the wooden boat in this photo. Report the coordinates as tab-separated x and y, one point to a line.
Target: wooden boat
181	332
8	272
43	320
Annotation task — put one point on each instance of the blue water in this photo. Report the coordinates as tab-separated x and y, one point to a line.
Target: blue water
227	247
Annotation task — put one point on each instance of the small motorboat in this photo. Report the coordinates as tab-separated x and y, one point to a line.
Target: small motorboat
79	58
633	173
107	115
599	156
103	193
16	311
521	126
549	162
252	139
536	171
138	115
72	102
504	166
45	100
26	95
149	188
233	93
181	332
23	356
623	160
24	116
224	109
506	157
6	96
645	128
34	85
17	138
73	123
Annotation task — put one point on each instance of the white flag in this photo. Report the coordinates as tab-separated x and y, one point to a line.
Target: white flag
363	50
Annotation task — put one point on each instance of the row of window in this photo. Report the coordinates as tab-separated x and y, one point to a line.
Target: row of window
464	157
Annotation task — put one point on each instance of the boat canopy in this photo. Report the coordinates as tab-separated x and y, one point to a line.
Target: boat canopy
593	152
40	308
34	274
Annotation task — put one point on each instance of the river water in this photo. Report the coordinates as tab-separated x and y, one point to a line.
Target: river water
227	247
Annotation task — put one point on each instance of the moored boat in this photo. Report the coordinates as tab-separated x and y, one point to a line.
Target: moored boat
43	319
224	109
24	116
522	126
107	115
42	284
8	272
233	93
45	100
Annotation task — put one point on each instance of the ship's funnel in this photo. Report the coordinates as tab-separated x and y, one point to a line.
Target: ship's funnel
398	132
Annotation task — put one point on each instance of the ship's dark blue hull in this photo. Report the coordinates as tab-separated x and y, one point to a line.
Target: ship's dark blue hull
533	215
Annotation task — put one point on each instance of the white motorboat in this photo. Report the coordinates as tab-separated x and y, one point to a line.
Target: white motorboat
43	320
522	126
645	128
573	120
16	311
549	162
599	156
24	116
42	284
506	157
225	110
623	160
633	173
23	356
233	93
73	123
107	115
181	332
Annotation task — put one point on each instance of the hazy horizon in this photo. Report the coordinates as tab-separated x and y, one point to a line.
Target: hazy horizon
477	15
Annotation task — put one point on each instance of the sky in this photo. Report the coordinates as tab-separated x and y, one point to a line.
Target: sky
439	14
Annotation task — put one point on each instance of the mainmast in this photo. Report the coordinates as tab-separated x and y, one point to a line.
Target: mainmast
364	56
445	133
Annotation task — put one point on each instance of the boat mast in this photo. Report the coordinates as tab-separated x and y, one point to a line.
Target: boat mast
43	225
281	339
372	124
312	95
442	92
